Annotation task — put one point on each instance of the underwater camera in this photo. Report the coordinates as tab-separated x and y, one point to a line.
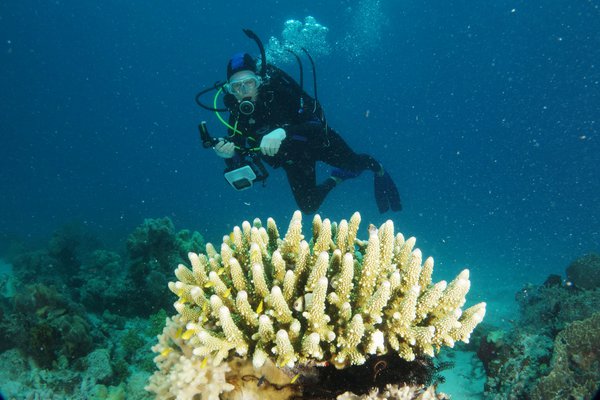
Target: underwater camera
242	178
247	167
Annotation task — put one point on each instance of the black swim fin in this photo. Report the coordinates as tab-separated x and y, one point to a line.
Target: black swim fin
386	193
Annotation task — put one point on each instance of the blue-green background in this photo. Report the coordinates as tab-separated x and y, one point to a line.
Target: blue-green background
486	114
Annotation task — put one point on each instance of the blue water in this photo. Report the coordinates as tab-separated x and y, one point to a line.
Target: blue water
487	116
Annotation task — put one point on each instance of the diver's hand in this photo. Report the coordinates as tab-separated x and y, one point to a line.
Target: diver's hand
271	142
224	149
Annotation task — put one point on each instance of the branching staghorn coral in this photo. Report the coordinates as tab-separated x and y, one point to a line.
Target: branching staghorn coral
333	300
263	296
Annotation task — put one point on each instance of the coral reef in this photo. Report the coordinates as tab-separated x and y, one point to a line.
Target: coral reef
584	272
46	325
552	350
292	304
103	280
397	393
549	308
7	292
153	248
102	285
69	314
57	262
513	362
37	266
97	363
575	366
21	380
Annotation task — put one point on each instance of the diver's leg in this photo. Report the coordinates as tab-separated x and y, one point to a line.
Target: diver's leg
303	182
313	142
339	154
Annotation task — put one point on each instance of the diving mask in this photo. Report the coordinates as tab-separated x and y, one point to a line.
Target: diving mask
243	85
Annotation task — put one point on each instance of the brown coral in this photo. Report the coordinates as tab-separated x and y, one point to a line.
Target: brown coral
575	363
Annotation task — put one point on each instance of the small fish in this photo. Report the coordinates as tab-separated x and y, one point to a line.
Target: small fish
295	378
203	363
259	309
261	380
166	352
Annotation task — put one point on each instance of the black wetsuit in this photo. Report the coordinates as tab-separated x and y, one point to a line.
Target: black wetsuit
281	103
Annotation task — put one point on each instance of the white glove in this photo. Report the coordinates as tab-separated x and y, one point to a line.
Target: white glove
271	142
224	149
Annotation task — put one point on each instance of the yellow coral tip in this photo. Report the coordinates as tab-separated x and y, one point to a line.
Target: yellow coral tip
285	362
166	352
259	309
295	378
187	334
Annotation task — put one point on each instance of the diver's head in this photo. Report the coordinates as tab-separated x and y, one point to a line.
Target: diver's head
242	80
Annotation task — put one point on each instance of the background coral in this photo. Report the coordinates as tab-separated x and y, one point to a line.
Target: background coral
584	272
575	366
548	308
392	392
71	299
152	249
102	284
551	350
46	325
58	261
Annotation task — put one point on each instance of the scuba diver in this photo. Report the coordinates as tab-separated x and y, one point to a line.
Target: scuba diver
273	120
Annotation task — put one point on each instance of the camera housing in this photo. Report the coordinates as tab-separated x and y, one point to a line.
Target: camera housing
241	178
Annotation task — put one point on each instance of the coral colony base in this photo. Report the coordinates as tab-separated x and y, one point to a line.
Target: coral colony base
266	314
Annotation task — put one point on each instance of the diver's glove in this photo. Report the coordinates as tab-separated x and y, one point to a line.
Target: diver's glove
386	192
224	149
271	142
